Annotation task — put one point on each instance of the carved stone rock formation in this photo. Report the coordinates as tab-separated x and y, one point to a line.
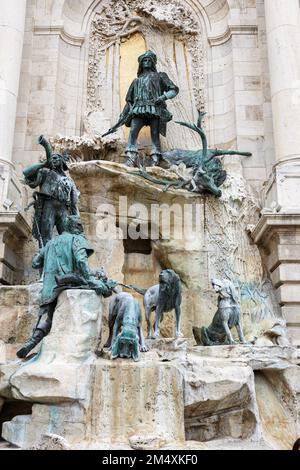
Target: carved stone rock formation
221	247
107	404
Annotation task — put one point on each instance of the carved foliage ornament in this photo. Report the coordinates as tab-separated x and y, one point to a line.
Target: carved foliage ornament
119	19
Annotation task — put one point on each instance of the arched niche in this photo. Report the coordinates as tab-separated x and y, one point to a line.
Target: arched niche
185	35
122	30
76	14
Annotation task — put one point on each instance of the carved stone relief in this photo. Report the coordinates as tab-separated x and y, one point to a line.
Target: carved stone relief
231	254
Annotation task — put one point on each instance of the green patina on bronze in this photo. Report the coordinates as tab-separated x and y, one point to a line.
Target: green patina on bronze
207	170
65	263
57	196
146	106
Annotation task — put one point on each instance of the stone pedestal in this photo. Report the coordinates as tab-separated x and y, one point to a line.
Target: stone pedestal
137	402
61	370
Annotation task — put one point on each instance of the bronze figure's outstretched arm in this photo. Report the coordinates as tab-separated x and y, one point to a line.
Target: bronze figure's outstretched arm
47	146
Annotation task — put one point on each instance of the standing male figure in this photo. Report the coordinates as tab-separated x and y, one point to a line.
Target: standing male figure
145	106
57	196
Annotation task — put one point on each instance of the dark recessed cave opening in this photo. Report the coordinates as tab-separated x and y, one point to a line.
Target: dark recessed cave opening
12	408
137	246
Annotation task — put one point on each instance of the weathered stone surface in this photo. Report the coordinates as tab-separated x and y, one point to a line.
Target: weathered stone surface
51	442
140	405
278	424
6	371
62	369
286	382
219	400
265	357
18	315
168	349
130	399
176	394
66	420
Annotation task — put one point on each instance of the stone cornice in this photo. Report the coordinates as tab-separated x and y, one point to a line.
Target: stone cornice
59	31
233	30
15	222
272	223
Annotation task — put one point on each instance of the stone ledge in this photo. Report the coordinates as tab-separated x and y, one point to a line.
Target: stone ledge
257	357
272	223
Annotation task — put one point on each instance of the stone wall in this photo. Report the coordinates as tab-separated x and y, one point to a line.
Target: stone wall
55	87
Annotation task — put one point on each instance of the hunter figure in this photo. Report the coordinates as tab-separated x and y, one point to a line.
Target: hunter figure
57	196
63	257
146	106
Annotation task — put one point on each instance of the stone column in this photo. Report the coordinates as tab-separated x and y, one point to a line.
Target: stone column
283	39
278	230
12	22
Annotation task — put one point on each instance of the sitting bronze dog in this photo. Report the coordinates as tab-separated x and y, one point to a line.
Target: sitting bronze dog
227	317
126	338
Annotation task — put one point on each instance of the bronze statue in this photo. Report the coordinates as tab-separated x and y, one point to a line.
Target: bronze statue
126	337
57	196
65	263
145	106
208	174
206	169
161	298
227	316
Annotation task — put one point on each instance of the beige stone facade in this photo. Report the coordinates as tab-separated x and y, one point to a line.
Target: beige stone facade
237	60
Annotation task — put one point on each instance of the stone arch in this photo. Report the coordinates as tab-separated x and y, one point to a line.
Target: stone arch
76	14
73	19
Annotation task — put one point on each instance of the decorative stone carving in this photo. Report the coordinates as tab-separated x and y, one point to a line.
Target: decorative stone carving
163	26
277	335
222	248
90	146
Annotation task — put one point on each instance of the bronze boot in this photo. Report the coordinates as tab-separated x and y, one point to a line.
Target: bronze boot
37	336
